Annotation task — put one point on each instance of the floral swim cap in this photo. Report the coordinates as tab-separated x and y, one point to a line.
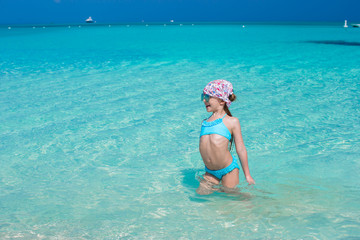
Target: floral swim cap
221	89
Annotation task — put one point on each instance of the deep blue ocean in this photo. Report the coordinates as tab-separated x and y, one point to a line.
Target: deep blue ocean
99	131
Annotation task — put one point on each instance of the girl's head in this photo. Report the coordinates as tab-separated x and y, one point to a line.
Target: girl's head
218	93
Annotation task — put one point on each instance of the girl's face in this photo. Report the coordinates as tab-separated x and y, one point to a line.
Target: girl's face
214	104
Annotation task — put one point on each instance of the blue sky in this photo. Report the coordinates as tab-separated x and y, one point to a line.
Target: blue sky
111	11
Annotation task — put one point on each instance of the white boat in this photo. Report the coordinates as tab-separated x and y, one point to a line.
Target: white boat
89	20
345	24
356	25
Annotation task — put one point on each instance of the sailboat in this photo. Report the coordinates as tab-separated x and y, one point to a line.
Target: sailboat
89	20
345	24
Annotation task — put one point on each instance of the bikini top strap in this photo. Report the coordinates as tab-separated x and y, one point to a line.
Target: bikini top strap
211	115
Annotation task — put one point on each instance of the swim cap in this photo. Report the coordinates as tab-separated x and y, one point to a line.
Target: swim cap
221	89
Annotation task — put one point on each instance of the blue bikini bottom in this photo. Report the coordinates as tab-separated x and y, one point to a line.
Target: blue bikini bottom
221	172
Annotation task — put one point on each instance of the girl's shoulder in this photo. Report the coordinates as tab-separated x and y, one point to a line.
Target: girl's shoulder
232	121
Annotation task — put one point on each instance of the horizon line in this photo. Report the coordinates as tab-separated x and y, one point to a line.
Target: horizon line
176	23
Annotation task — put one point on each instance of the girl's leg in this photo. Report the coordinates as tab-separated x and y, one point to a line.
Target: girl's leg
231	180
207	184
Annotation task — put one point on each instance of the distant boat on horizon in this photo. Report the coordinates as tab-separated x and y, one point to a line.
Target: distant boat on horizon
89	20
356	25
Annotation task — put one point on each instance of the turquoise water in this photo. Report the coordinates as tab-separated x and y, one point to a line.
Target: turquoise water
100	127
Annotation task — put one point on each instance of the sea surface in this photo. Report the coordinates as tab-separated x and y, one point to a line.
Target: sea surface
99	131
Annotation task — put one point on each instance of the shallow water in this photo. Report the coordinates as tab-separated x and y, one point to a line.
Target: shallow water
100	129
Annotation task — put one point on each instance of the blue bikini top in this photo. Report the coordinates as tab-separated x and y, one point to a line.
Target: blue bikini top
215	127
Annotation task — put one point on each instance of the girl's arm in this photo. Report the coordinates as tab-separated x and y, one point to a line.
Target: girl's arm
241	150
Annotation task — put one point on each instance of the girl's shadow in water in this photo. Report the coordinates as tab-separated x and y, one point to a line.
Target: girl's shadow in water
190	181
189	178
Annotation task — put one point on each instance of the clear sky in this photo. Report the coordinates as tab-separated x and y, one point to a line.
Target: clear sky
112	11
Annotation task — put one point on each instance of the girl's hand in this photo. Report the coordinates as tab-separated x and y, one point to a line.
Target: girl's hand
250	180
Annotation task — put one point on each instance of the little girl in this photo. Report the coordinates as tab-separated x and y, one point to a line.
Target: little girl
218	133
